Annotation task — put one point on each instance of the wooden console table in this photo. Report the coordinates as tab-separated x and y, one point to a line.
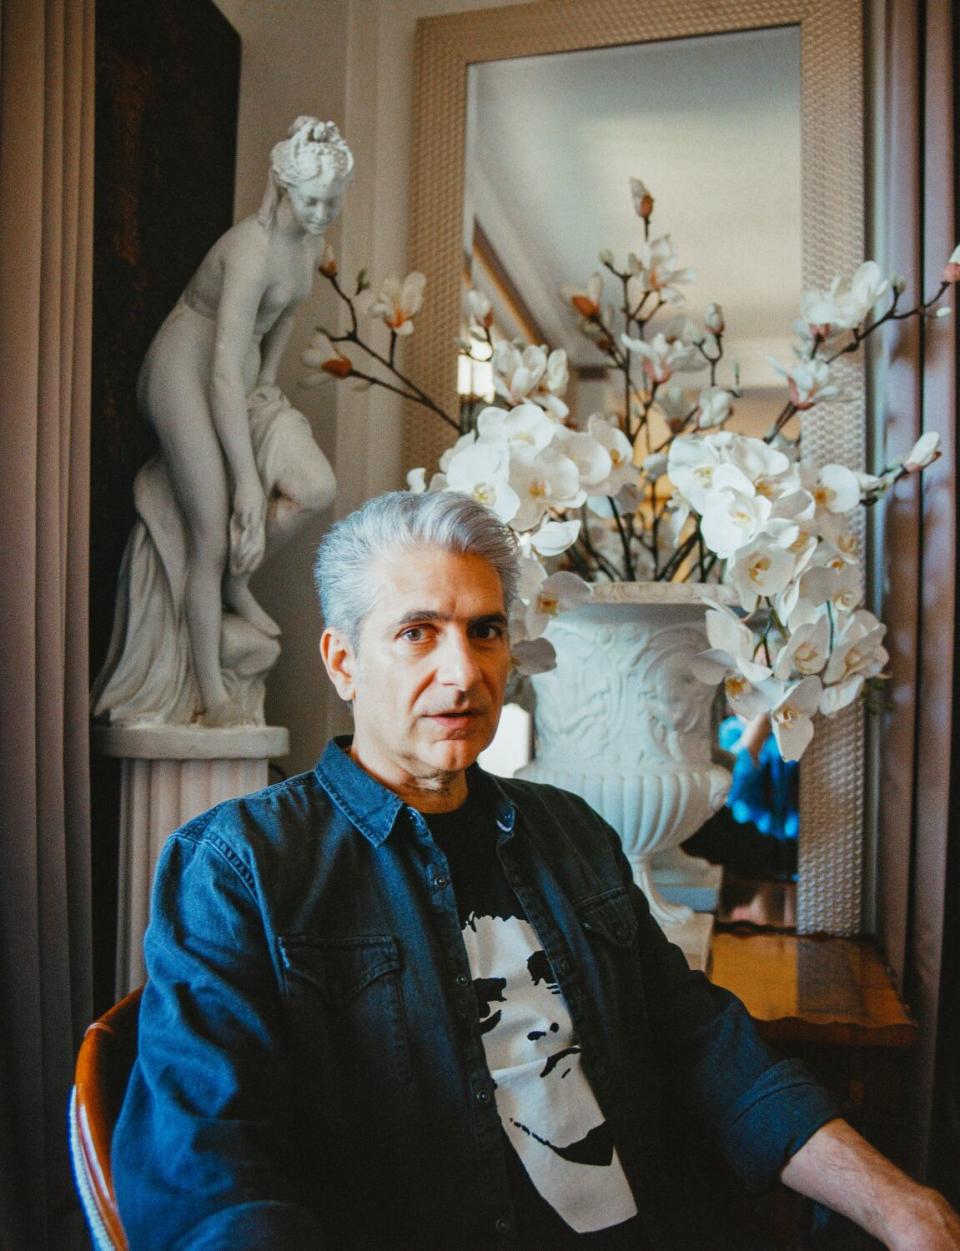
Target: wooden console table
832	1002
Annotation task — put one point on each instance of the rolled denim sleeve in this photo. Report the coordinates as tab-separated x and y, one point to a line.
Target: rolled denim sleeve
199	1148
759	1108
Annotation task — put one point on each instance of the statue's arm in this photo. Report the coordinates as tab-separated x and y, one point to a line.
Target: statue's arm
241	292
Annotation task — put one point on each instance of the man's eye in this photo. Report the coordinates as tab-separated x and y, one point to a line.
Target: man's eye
488	630
414	634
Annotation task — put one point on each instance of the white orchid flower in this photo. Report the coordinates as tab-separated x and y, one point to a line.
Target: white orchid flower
661	358
465	440
417	481
623	471
715	407
731	520
532	656
923	453
842	549
805	652
760	569
755	458
835	488
692	464
591	458
838	587
585	301
559	593
554	537
626	500
809	382
516	373
482	472
547	479
790	718
398	302
527	425
858	654
730	660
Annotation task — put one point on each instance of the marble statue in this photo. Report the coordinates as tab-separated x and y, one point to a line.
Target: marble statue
238	469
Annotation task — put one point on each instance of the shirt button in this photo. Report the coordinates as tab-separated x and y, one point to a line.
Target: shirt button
483	1096
440	882
502	1225
462	979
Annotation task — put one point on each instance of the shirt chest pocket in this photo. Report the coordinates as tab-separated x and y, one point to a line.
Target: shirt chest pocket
609	920
345	998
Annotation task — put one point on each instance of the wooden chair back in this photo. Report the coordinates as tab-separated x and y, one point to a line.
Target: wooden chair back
103	1067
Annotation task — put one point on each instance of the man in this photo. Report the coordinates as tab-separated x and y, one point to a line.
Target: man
396	1002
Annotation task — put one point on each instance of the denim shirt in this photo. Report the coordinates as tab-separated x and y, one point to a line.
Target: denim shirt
311	1071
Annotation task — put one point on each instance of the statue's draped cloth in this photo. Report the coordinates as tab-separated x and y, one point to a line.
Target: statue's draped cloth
148	676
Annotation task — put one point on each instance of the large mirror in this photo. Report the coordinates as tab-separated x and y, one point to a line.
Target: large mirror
529	123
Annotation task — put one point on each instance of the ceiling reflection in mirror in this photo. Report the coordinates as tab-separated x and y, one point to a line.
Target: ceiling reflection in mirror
711	125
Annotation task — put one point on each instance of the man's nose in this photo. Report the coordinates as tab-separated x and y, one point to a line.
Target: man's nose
458	664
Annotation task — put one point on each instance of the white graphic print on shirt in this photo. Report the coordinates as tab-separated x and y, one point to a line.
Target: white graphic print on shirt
545	1103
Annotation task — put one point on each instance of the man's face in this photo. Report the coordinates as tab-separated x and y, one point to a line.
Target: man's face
428	678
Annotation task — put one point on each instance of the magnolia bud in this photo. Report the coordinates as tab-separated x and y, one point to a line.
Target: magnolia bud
328	262
338	366
898	284
605	257
952	271
642	199
713	318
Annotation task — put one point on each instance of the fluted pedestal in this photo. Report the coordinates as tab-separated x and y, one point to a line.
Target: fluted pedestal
170	774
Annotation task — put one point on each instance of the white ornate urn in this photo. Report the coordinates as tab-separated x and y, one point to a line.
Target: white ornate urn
623	722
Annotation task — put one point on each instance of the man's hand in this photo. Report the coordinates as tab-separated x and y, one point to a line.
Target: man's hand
923	1221
839	1168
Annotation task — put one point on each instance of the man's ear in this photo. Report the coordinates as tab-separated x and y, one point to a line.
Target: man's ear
340	662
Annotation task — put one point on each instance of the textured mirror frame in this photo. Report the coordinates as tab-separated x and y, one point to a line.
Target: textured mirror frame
829	894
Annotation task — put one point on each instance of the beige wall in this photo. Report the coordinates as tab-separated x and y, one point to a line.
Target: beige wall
350	61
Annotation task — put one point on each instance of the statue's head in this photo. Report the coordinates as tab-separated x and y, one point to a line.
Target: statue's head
312	167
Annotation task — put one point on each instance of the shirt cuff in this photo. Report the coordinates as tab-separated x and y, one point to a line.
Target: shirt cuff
772	1121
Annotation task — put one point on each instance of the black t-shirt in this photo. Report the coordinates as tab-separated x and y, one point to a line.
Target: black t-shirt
566	1181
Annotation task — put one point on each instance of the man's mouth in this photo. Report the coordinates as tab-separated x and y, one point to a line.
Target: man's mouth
455	719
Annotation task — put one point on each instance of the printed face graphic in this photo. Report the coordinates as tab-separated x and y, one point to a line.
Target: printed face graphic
546	1105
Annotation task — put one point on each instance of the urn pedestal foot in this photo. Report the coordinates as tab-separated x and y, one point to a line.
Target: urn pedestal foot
683	879
170	774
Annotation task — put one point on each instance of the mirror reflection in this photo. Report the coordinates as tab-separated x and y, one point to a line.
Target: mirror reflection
712	127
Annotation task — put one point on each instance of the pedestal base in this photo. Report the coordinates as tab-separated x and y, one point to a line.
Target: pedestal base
689	880
169	775
693	938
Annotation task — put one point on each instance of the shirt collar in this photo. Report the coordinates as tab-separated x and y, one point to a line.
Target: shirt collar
372	807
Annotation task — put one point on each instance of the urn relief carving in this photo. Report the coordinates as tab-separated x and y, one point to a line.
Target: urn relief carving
623	722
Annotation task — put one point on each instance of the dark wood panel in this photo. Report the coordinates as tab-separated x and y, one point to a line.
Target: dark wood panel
165	146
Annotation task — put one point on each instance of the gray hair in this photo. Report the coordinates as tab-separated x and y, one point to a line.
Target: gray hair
400	519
